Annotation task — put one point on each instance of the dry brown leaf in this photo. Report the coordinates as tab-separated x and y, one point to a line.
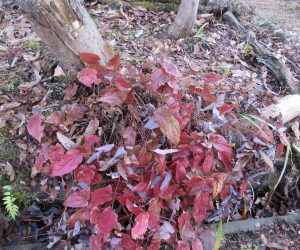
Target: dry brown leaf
267	160
91	129
9	105
65	141
10	171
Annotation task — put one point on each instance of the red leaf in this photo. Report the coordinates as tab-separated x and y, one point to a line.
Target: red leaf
88	76
211	78
157	79
279	150
70	161
186	112
78	199
243	187
140	228
208	161
168	193
129	135
56	153
172	83
267	133
220	143
101	196
180	171
140	187
89	58
183	246
127	242
185	227
94	215
132	208
155	245
56	117
114	63
154	214
107	221
81	215
70	91
95	242
112	96
35	128
225	108
168	124
226	157
85	174
75	112
171	69
122	84
200	206
197	245
195	90
206	94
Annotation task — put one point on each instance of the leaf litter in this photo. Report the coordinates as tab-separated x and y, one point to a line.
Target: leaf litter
160	126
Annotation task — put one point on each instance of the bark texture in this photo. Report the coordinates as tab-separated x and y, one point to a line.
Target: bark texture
66	28
185	18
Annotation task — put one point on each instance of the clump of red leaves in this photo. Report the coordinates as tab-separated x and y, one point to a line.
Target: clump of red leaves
139	195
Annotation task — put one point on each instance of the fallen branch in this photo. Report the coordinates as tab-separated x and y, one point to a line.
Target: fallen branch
257	224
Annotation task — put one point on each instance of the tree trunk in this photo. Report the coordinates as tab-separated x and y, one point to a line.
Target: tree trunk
67	29
185	18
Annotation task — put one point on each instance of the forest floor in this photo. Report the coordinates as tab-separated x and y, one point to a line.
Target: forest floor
31	81
286	13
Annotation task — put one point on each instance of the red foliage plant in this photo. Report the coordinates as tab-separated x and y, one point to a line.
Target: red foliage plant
141	196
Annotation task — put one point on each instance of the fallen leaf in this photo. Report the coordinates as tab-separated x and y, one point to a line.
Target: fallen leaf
78	199
122	84
70	91
171	69
69	162
212	78
107	221
140	228
168	124
112	96
65	141
129	135
35	128
89	58
88	76
101	196
266	133
267	160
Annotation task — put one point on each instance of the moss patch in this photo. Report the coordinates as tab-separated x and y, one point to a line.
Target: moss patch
12	84
7	148
32	44
155	6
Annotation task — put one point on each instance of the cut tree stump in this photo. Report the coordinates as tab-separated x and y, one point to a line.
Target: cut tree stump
287	107
67	29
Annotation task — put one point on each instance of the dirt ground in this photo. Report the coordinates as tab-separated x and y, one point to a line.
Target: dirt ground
285	13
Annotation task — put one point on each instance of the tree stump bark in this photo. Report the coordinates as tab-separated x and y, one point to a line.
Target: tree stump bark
185	18
67	29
